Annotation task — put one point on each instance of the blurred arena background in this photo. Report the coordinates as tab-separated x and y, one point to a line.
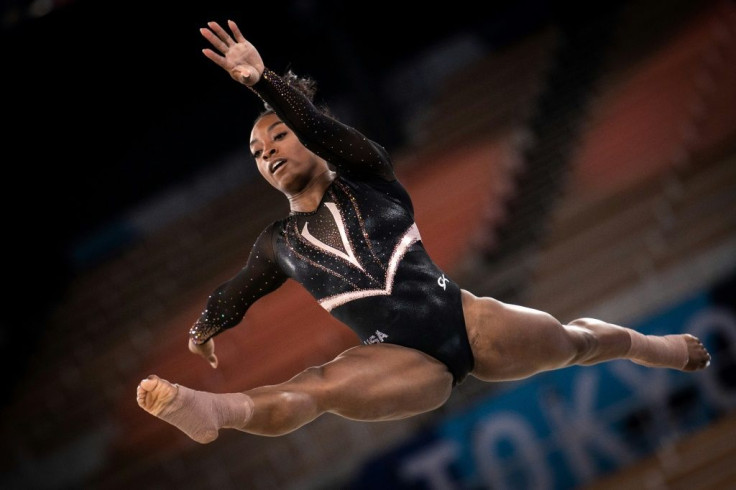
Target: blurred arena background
574	158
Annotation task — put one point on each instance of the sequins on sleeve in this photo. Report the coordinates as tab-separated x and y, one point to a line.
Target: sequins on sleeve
227	305
339	144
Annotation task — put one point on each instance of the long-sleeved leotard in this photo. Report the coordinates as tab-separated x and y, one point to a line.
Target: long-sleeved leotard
359	253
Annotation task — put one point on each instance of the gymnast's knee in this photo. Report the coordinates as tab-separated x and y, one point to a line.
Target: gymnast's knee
587	323
584	339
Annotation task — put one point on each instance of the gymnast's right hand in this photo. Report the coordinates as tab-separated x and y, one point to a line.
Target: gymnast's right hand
206	351
239	57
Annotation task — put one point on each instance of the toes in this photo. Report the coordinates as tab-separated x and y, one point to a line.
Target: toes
140	396
699	356
149	383
154	394
144	389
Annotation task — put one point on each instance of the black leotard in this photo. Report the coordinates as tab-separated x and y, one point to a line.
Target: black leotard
359	254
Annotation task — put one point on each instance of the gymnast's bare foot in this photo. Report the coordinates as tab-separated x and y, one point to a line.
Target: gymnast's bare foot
155	394
698	356
199	414
170	403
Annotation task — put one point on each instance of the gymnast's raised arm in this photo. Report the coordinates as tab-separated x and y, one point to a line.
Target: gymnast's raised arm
339	144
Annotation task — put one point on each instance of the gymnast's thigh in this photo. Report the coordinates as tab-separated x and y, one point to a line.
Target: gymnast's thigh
376	382
512	342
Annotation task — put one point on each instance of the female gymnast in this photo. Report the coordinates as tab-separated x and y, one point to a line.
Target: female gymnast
350	239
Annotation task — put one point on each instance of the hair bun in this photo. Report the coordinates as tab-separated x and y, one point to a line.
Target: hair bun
305	85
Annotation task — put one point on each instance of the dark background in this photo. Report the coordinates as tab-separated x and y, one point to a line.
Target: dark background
107	104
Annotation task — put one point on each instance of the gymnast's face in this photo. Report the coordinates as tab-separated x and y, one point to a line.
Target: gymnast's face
281	158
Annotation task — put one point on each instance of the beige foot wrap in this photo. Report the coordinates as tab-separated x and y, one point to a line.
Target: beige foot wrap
200	414
669	351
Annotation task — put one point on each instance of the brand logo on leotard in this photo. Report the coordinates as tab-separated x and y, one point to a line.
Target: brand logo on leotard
376	338
442	281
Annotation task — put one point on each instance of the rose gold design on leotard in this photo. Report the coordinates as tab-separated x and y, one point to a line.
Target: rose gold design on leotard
410	237
350	255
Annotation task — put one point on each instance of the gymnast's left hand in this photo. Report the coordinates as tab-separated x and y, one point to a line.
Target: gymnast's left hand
239	57
206	351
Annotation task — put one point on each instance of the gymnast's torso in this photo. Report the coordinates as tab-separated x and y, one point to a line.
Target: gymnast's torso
359	254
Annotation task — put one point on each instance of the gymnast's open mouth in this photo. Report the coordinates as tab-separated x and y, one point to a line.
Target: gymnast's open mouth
276	164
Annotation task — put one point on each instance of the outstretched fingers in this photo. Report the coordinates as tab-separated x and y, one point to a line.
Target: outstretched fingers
216	42
236	55
222	42
236	31
222	35
219	60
